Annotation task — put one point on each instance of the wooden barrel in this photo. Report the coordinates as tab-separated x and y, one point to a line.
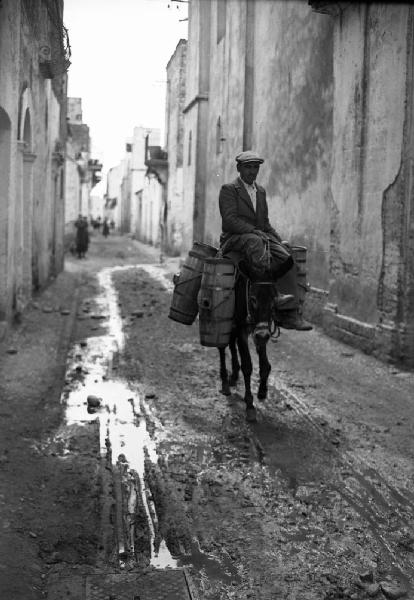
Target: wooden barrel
184	307
299	256
216	302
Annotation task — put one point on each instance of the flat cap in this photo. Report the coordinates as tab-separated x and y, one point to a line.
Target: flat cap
248	156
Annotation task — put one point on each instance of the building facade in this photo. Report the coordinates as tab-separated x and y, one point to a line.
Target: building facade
176	223
134	192
34	52
82	171
309	86
112	209
371	261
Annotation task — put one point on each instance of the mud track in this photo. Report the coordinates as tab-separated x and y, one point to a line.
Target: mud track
282	508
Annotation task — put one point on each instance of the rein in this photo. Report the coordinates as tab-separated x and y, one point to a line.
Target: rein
274	329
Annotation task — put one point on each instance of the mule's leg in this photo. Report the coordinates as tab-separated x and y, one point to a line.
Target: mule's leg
225	387
247	368
235	365
264	370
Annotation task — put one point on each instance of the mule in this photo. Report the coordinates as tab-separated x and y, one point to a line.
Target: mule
254	314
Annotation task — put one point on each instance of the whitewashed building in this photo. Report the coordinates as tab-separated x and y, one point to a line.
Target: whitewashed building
34	55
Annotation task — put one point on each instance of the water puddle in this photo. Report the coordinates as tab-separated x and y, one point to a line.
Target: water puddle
123	414
119	408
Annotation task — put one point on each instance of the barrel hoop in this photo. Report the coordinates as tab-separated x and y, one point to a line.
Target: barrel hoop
218	288
198	276
218	304
182	312
181	317
218	320
218	261
195	254
205	246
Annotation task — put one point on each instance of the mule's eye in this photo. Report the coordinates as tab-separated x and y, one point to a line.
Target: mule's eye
253	301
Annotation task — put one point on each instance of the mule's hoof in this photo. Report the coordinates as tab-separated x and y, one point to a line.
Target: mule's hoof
225	391
262	394
251	414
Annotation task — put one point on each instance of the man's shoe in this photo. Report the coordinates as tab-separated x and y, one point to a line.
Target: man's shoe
302	325
282	299
292	320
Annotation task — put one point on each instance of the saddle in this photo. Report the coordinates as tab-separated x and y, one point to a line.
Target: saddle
237	259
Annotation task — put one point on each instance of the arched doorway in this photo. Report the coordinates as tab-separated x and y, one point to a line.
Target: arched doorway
5	154
27	206
26	263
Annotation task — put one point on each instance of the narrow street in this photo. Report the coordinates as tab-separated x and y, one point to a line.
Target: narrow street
126	474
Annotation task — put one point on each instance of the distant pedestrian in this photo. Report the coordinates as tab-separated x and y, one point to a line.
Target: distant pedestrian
82	236
105	228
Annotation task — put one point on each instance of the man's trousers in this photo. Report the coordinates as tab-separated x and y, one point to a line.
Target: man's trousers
262	259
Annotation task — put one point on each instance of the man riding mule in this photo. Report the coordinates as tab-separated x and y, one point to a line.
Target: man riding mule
248	236
250	241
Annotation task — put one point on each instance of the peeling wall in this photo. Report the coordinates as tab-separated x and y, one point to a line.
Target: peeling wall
370	76
290	49
332	113
293	125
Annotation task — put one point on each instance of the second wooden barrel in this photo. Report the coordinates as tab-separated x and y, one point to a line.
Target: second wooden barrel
299	256
216	302
184	307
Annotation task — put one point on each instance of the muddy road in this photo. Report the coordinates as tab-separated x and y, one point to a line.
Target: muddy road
162	477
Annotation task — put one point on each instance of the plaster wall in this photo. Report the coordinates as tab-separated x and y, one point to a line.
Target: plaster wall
292	124
370	79
31	215
196	122
189	176
193	57
138	170
125	224
283	111
72	188
46	190
137	184
225	108
9	93
175	149
114	179
151	210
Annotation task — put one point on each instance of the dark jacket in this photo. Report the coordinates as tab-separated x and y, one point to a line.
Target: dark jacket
237	212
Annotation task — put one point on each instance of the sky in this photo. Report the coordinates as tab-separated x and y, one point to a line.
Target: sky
120	50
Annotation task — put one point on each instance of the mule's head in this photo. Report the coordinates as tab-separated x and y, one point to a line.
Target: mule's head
260	311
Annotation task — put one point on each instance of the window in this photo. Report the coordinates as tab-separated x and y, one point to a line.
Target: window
221	19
